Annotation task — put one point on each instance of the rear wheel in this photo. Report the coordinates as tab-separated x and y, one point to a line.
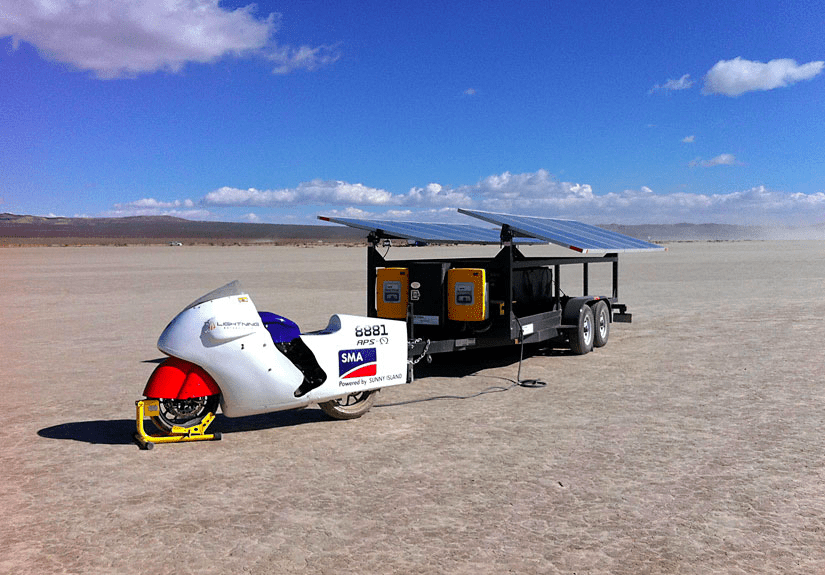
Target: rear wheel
351	406
184	412
601	319
581	341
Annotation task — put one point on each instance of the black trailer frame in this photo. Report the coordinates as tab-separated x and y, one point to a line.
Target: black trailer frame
554	317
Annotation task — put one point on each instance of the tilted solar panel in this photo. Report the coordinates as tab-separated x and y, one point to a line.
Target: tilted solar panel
426	232
571	234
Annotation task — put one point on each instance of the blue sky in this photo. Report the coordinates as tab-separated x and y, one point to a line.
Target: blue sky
634	112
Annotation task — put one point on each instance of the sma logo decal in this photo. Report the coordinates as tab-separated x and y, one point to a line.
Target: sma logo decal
354	363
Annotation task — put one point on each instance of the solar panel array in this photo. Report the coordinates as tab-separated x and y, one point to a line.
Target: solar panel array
571	234
432	233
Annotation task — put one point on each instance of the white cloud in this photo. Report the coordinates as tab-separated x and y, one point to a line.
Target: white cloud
688	139
153	204
755	206
527	192
314	192
305	58
227	196
720	160
445	214
470	92
351	212
436	194
737	76
252	218
682	83
126	38
533	193
152	207
499	191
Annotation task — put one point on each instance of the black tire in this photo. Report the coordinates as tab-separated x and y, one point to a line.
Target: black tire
351	406
184	412
601	320
581	341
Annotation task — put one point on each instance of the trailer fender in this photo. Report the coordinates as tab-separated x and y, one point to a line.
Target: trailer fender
179	379
574	306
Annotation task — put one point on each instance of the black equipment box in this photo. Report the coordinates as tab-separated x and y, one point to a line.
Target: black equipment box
427	292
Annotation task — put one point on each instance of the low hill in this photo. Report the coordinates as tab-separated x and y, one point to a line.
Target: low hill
16	229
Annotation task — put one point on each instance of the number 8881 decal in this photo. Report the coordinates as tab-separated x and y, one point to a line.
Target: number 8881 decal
377	331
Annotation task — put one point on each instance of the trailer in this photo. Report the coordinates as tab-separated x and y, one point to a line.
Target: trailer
224	351
463	303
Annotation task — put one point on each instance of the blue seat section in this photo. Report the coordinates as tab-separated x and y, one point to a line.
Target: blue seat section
280	328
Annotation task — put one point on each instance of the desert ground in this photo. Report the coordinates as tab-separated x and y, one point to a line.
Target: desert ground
692	443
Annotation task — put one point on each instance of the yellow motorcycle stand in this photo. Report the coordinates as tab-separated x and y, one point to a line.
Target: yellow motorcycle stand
151	407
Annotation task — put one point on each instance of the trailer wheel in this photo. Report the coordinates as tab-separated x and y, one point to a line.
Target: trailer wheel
351	406
581	341
601	319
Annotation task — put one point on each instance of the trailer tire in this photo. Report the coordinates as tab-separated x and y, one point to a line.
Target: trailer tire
581	341
601	321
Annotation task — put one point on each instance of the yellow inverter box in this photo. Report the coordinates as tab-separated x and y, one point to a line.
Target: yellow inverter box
392	289
467	298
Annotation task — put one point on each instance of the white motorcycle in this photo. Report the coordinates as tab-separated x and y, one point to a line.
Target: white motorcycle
223	351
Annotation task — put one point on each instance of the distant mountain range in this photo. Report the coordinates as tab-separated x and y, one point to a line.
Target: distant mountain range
29	230
158	229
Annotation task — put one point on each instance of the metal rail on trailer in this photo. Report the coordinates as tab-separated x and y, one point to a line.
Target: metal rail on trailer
524	302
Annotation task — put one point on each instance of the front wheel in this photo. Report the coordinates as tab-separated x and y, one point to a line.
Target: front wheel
351	406
184	412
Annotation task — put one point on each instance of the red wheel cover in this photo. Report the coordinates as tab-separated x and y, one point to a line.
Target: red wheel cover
179	379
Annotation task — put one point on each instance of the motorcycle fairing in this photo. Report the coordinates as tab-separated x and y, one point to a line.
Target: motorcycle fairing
223	333
226	337
341	352
287	339
280	328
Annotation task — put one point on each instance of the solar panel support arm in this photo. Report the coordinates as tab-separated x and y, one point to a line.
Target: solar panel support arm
374	261
504	262
506	235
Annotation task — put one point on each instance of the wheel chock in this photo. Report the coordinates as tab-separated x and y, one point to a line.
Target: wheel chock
150	407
